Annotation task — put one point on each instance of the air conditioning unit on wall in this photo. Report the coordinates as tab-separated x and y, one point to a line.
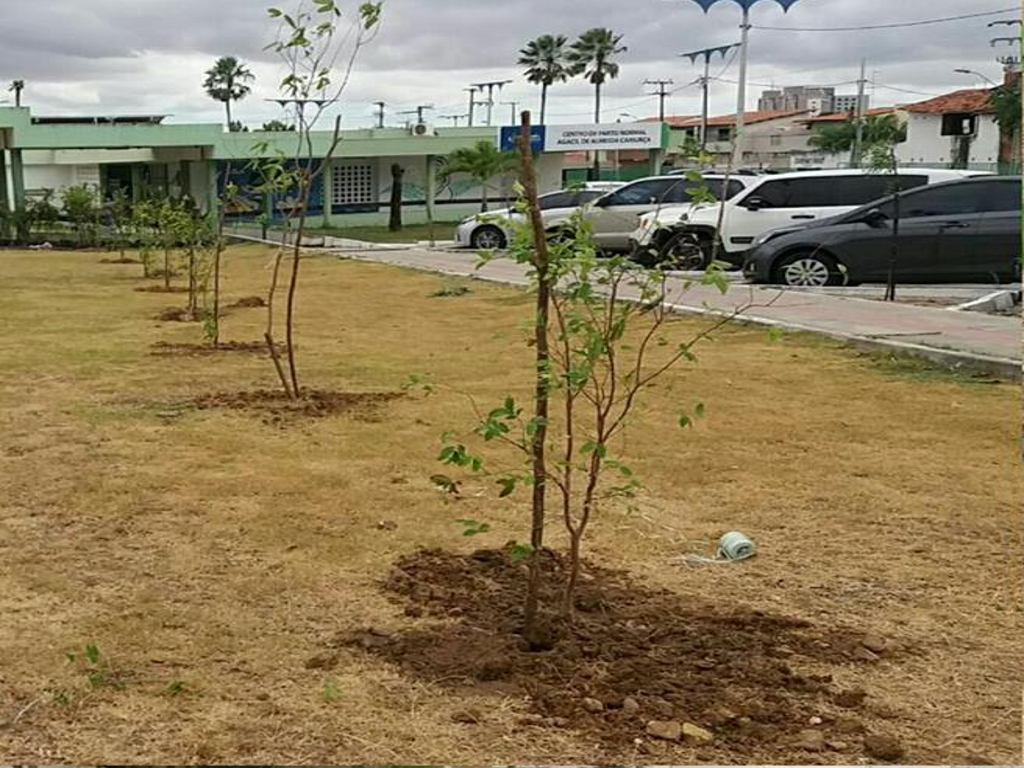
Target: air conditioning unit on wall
422	129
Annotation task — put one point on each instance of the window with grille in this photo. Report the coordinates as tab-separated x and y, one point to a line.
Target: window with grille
353	185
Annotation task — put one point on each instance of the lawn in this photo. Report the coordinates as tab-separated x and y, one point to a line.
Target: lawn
216	559
443	231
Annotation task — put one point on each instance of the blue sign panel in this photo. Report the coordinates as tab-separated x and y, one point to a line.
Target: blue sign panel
510	138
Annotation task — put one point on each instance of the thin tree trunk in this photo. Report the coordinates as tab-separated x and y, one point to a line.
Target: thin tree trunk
543	102
269	333
484	201
227	108
289	320
531	629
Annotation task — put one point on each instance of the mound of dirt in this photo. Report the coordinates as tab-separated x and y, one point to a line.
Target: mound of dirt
167	349
176	315
634	659
161	289
249	302
275	408
120	261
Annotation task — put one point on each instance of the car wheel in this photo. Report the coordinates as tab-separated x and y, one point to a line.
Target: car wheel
685	251
488	238
808	269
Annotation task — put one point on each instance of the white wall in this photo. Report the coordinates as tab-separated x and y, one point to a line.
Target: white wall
925	144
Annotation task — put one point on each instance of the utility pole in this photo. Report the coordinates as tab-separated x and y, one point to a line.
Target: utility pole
380	113
454	118
490	87
858	142
662	93
707	54
741	97
418	111
515	106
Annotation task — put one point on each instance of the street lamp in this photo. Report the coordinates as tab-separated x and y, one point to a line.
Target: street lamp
988	80
746	5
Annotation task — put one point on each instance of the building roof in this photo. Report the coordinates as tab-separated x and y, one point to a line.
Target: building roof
842	117
722	121
676	121
970	100
99	120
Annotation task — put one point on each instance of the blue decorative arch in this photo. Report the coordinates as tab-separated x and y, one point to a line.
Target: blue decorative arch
744	4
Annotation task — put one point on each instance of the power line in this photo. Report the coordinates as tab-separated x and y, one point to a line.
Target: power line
662	94
895	25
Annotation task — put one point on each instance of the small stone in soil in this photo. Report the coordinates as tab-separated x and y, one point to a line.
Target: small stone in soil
630	705
667	730
811	740
815	720
883	747
387	525
875	643
693	732
837	746
593	705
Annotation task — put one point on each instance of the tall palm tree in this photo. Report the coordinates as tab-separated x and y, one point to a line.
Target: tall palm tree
545	62
17	86
592	56
227	81
481	163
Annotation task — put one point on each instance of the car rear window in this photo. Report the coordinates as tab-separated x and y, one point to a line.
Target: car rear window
685	190
559	200
834	191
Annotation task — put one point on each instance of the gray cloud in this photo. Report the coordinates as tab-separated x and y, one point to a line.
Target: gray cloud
114	56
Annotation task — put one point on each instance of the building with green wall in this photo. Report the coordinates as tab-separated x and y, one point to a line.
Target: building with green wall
145	156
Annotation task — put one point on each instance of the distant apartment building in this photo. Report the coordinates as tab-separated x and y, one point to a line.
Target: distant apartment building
821	100
847	104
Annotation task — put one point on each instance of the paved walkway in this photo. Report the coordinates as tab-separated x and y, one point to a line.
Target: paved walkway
969	339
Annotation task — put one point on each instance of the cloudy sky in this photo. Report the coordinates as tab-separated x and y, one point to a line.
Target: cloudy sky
148	56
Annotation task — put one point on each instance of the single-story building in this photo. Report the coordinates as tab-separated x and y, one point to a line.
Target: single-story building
144	155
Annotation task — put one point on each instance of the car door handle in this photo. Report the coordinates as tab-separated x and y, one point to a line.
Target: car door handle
953	225
803	217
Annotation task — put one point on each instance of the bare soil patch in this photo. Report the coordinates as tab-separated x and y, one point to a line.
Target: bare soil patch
633	655
177	315
249	302
125	260
169	349
276	408
162	289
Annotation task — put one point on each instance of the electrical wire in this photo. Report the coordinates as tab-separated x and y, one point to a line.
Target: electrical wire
895	25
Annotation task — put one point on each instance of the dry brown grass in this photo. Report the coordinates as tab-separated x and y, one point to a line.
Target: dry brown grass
215	549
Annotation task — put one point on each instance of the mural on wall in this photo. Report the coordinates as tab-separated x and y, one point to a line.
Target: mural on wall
249	202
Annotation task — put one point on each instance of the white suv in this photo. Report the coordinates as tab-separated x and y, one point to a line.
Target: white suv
768	203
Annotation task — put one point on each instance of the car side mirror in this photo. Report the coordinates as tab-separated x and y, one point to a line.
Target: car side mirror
755	204
875	218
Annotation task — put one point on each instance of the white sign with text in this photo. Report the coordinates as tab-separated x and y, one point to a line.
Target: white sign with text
587	138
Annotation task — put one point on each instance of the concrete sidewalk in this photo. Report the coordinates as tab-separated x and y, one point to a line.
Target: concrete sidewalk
960	339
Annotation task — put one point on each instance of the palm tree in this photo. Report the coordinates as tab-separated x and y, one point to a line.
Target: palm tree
879	130
481	163
592	56
544	59
228	80
17	86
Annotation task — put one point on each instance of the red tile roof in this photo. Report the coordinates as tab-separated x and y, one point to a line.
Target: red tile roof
724	120
971	100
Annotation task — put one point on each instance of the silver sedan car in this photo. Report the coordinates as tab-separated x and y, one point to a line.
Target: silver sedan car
487	231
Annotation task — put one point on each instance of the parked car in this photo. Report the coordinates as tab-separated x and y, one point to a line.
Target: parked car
488	231
767	203
613	218
961	231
